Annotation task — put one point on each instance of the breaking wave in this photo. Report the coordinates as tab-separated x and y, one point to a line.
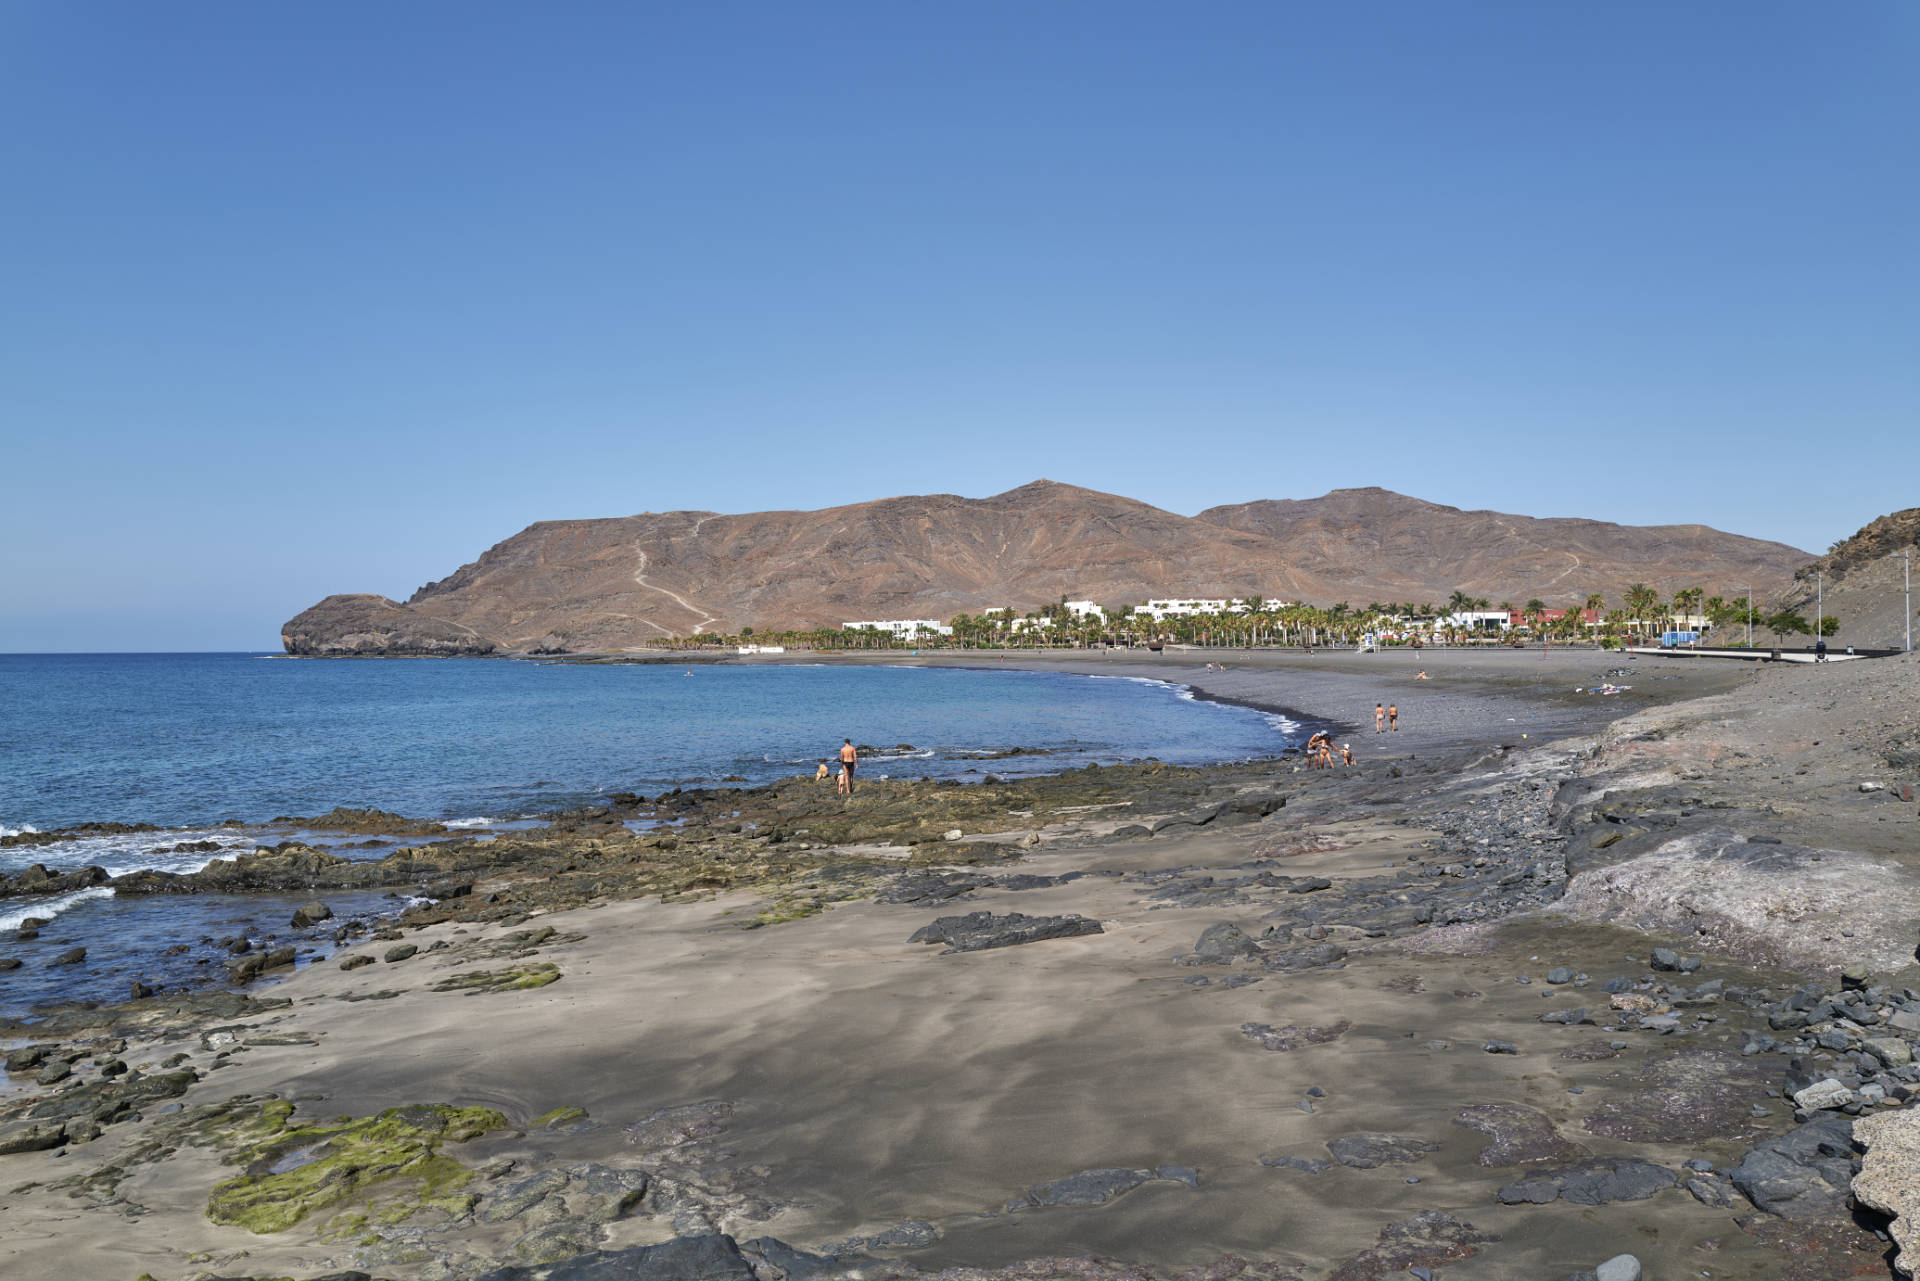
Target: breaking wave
49	908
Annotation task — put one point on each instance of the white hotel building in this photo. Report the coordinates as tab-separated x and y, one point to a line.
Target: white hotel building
901	628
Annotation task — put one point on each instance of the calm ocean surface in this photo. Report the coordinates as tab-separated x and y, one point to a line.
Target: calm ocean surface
190	740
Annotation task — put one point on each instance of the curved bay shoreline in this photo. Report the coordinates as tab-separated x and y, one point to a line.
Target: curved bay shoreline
1298	1045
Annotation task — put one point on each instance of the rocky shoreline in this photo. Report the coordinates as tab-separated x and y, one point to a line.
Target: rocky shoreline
1489	1009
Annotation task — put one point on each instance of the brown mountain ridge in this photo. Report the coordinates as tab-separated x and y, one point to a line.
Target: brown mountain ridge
588	585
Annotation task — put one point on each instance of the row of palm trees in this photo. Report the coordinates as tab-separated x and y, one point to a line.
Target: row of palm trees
1641	613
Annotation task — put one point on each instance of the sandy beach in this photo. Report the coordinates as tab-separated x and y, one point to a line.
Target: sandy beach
1306	1041
1471	697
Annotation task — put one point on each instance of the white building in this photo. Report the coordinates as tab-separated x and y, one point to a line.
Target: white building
1085	609
1478	620
1159	609
901	628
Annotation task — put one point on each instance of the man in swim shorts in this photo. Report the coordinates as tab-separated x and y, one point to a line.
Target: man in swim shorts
849	757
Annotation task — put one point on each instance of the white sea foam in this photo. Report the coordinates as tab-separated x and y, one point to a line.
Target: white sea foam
25	829
1138	680
48	908
1186	693
125	852
480	821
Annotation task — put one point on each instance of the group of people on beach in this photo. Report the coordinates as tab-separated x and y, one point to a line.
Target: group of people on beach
1385	717
849	759
1321	752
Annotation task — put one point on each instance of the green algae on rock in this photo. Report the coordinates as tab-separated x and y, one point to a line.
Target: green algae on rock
519	978
296	1171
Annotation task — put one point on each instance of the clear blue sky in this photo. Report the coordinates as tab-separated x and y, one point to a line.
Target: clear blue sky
329	297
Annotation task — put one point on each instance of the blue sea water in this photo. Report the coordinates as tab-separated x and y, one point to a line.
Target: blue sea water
187	741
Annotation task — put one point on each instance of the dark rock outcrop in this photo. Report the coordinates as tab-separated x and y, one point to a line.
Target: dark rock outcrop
356	625
978	931
1599	1182
1802	1174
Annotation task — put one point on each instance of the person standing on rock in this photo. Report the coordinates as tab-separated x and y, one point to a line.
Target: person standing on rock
849	757
1379	718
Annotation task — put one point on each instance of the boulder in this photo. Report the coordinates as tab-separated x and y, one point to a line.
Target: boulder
311	914
1621	1267
979	931
32	1136
1802	1174
1889	1178
248	968
1890	1050
1222	942
1821	1095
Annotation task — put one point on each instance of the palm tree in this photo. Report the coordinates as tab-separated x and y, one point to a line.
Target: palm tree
1687	600
1641	600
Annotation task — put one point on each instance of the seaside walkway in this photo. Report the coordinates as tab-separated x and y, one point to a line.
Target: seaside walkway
1758	654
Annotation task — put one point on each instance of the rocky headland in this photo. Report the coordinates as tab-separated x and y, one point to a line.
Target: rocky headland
367	626
1603	987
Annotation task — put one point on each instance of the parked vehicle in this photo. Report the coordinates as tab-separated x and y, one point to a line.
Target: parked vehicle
1678	640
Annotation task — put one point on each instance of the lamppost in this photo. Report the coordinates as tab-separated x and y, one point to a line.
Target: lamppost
1908	558
1820	603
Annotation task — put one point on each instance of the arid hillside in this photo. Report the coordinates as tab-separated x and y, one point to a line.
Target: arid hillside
611	583
1864	581
1388	546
